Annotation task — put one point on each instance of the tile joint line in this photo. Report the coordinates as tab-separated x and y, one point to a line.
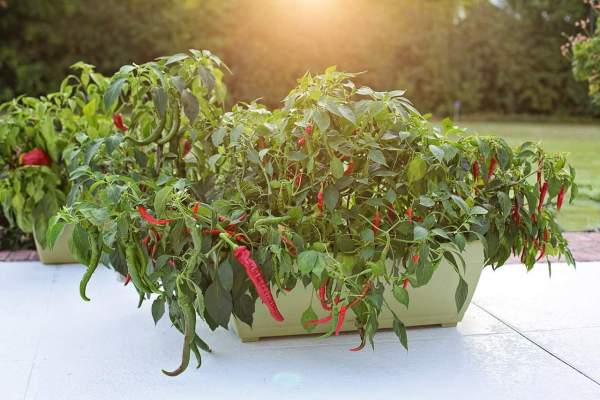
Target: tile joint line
536	344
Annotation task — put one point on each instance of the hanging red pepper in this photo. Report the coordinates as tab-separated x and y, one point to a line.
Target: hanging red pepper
349	168
546	235
150	219
516	214
377	220
409	215
415	259
322	290
244	257
543	192
542	253
301	142
36	156
118	121
187	146
290	246
340	321
196	208
298	180
308	129
493	163
475	170
534	218
127	280
320	200
561	198
405	283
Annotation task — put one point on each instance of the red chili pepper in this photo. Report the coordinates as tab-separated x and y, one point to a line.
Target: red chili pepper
322	290
561	198
340	321
298	180
244	257
543	192
308	129
222	218
415	259
320	200
207	231
516	214
172	263
150	219
542	253
405	283
240	238
127	280
196	208
36	156
320	321
475	170
493	163
154	250
187	146
377	220
546	235
301	142
349	168
409	214
523	252
118	121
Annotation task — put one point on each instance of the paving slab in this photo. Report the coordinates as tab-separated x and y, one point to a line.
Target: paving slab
109	349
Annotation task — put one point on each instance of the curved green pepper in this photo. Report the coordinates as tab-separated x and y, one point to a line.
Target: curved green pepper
93	264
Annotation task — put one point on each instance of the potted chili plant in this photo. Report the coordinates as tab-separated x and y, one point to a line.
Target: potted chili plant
34	133
333	210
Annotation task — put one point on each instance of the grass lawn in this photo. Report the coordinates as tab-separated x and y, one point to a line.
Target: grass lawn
582	144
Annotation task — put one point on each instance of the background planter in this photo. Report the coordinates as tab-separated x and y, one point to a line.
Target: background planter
432	304
60	253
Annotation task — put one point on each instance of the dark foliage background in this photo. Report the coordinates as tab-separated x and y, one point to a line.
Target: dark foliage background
493	56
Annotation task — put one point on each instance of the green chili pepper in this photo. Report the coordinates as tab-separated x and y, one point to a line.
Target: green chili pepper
185	299
154	135
93	264
175	127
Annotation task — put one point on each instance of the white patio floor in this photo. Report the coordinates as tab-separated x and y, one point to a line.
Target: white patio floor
524	337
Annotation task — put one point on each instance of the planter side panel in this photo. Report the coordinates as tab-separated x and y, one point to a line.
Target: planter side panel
432	304
60	253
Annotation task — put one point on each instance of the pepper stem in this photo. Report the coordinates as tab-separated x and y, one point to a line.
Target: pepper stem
226	239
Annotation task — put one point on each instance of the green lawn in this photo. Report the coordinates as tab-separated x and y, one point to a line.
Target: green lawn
582	144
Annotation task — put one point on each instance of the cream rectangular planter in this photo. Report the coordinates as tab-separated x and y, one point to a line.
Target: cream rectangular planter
432	304
60	253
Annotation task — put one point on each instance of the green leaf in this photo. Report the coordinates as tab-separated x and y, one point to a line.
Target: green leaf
158	309
54	231
337	168
462	290
160	200
426	201
377	156
478	210
322	119
401	295
400	331
225	273
218	304
311	261
417	168
331	196
309	315
420	233
425	272
112	93
437	152
217	136
191	107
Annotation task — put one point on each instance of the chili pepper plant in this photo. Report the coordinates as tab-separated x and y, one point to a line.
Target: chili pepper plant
34	134
346	190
